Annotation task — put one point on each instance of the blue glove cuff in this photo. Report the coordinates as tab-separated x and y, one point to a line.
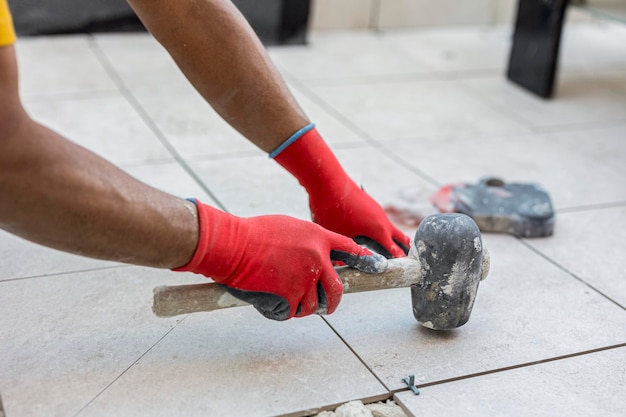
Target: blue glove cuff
291	140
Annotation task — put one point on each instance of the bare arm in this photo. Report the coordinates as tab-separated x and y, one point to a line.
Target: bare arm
219	53
59	194
221	56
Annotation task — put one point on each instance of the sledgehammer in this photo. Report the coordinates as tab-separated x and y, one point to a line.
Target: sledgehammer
445	264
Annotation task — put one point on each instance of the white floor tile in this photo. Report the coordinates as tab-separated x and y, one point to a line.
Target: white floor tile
557	161
237	363
613	79
526	310
579	99
397	110
591	245
60	65
345	56
381	176
197	131
171	178
141	63
457	50
588	385
65	338
21	259
109	126
328	123
253	186
191	126
592	47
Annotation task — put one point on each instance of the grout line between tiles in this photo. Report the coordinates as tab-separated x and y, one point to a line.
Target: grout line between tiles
328	407
148	162
495	107
513	367
575	127
528	123
570	273
74	96
224	155
130	366
345	342
403	407
79	271
333	406
591	207
370	79
149	122
458	77
427	76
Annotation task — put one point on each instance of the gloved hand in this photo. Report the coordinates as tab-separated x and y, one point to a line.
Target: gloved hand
279	264
337	203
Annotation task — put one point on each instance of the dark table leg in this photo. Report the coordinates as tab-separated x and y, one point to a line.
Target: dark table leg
277	22
294	21
536	40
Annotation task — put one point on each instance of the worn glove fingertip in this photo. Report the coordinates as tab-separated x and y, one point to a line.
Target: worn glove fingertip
371	263
376	264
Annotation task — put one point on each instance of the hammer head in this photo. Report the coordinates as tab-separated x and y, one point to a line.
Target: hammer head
450	250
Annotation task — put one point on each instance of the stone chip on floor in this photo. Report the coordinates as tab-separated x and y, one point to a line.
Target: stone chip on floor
358	409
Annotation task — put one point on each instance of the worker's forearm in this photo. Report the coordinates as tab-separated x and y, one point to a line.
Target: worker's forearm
221	56
58	194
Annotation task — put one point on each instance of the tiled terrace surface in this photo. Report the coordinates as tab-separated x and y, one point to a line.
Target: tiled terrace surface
406	112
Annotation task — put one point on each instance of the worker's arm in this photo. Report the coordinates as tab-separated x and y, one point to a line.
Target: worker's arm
61	195
219	53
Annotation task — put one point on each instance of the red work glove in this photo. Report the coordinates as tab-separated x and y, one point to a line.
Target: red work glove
338	203
281	265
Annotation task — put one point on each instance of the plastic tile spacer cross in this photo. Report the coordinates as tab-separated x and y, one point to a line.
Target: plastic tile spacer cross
410	381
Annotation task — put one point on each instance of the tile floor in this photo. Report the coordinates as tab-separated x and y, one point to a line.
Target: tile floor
406	112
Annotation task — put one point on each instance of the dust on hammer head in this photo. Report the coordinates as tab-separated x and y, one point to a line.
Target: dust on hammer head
450	250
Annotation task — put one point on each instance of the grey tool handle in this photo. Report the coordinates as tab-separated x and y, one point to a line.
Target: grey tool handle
171	301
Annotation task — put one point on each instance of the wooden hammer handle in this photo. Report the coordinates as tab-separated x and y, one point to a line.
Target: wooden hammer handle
184	299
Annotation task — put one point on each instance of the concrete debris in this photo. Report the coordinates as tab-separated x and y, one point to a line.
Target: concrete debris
358	409
387	409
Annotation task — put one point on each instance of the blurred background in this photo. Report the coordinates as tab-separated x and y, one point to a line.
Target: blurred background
286	21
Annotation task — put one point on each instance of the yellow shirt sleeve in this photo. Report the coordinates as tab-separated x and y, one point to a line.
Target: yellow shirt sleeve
7	33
